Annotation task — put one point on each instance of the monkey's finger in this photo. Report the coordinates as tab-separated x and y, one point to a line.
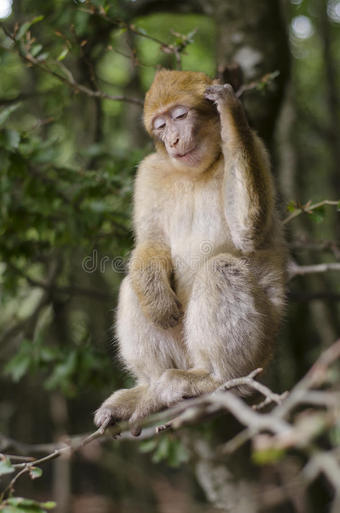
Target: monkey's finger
174	320
213	92
135	429
218	92
103	418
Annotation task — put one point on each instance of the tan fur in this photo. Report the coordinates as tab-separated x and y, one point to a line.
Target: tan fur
174	88
205	291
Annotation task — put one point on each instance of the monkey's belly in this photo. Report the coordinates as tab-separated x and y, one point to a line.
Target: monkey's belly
196	228
187	263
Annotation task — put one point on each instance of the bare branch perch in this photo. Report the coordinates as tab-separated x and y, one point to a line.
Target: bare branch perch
278	429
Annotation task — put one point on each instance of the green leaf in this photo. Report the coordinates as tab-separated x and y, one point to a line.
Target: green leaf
177	453
35	472
18	365
43	56
268	456
63	371
170	449
20	501
6	467
22	505
5	113
25	26
36	49
318	214
12	139
148	445
162	450
22	30
291	206
63	54
37	19
10	509
48	504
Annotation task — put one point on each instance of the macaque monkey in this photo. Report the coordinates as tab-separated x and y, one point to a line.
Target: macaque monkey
204	295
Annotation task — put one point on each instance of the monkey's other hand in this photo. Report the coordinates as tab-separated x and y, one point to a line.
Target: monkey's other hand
220	93
165	310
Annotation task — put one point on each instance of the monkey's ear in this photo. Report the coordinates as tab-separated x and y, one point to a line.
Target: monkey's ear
216	81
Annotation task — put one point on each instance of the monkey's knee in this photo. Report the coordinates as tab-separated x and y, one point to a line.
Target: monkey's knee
226	319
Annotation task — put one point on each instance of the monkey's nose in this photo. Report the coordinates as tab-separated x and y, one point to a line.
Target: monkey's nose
174	142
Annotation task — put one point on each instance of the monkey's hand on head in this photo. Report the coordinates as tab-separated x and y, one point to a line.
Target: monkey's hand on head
220	92
230	109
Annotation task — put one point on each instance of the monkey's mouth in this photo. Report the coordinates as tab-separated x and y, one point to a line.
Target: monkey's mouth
186	155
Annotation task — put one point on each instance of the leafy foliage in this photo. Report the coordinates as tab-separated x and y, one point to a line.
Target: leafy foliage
20	505
167	448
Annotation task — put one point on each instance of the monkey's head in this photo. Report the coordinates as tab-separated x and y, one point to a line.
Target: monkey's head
182	122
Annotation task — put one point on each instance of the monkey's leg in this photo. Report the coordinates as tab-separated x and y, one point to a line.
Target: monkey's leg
146	351
224	329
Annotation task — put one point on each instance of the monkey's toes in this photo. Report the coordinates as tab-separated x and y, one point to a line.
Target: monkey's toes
103	417
135	429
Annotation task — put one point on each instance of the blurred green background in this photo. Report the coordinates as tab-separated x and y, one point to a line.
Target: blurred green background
67	163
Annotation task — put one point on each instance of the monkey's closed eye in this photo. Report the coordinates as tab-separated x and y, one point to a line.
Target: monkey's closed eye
181	116
159	123
179	113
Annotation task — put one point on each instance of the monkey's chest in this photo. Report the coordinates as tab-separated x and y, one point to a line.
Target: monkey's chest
196	229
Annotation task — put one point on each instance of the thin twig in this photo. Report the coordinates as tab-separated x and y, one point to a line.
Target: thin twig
315	376
255	385
300	270
309	208
14	457
67	77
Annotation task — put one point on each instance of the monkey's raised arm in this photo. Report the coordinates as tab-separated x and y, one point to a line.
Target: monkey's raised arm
151	265
248	188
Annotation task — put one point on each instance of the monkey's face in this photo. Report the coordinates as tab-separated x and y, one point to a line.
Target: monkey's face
185	135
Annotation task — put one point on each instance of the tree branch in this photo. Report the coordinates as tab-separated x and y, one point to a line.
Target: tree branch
300	270
308	208
278	429
68	77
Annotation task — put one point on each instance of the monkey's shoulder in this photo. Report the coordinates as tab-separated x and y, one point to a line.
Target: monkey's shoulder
155	174
148	161
148	169
148	192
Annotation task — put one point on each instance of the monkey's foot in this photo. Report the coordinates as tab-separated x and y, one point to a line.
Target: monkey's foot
103	417
219	92
175	385
119	406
